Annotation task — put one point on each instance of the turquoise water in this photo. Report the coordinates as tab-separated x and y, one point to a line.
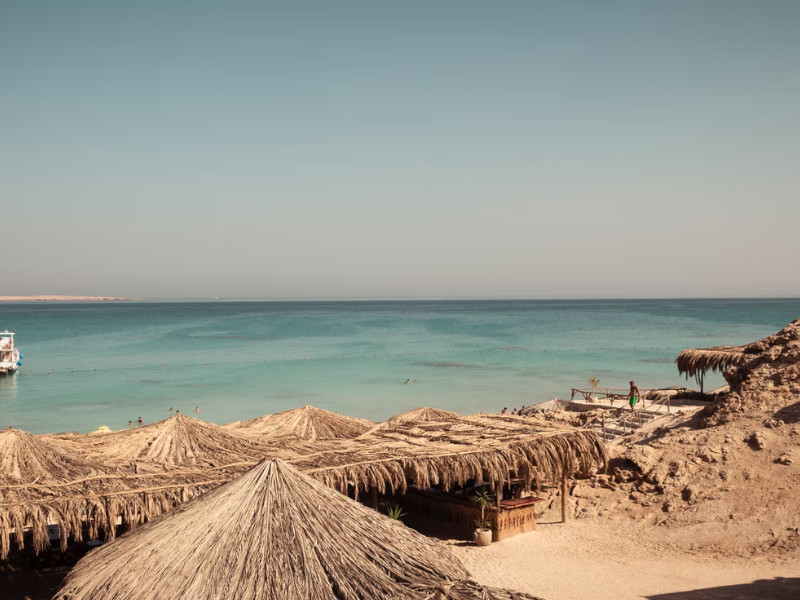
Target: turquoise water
112	362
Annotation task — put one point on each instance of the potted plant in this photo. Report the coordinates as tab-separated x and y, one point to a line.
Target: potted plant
395	512
483	528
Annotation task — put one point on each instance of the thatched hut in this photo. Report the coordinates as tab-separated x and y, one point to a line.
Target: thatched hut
91	485
441	459
696	362
448	454
273	533
307	423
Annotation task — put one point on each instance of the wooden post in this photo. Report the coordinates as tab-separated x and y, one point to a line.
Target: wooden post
374	497
498	493
564	497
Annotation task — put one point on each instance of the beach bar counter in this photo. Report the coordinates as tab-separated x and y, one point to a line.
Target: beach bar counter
507	518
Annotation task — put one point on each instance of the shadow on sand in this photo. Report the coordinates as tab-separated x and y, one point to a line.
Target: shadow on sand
780	588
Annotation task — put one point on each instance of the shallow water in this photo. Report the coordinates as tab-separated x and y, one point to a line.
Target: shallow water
113	362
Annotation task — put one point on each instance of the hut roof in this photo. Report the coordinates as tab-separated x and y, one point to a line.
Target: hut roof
307	423
26	458
132	475
144	472
176	441
423	414
699	360
271	533
448	453
766	375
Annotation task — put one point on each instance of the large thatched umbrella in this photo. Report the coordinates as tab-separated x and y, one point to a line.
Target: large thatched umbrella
307	423
273	533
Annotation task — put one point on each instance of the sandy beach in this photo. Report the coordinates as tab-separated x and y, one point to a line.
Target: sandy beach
577	560
612	560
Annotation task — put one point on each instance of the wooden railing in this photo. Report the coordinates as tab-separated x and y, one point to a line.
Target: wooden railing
622	418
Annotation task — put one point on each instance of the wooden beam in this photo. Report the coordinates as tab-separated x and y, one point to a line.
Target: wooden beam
373	491
564	497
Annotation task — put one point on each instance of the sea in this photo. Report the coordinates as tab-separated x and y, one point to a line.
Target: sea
108	363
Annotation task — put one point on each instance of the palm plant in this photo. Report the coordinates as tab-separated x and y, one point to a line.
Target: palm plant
395	512
484	500
593	381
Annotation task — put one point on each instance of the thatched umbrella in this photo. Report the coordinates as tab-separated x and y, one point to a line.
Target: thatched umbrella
176	441
124	478
695	362
32	473
767	374
272	533
307	423
27	459
422	414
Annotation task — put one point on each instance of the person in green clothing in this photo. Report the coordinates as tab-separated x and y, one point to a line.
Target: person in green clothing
633	396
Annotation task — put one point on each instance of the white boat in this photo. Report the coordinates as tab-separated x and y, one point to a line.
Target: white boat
10	357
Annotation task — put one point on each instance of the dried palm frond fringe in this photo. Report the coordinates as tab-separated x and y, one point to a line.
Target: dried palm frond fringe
390	469
98	485
697	360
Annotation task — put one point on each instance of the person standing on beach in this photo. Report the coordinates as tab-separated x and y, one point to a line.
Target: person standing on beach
633	396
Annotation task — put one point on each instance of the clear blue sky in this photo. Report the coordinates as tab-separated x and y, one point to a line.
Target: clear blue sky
400	149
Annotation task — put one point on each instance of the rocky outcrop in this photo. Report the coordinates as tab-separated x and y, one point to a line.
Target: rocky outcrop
768	379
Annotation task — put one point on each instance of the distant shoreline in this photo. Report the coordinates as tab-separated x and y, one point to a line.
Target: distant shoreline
58	298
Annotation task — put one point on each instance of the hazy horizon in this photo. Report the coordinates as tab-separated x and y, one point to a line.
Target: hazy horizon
417	150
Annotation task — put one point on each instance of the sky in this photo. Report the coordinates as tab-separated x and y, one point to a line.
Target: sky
416	149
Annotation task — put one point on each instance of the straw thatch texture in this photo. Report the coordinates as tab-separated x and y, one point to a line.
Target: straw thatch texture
699	360
176	441
102	481
484	447
307	423
136	475
422	415
25	458
271	533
